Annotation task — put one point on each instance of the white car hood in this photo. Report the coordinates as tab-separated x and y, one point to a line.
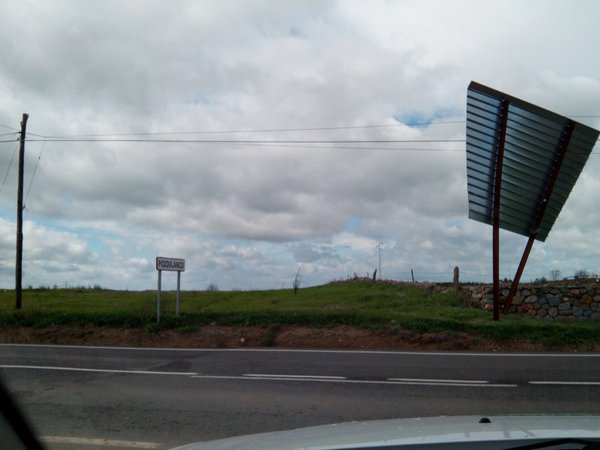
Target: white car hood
437	432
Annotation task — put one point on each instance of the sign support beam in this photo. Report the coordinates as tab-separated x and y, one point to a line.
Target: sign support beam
554	171
177	295
496	214
158	296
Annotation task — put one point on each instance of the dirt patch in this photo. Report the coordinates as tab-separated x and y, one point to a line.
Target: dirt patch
206	336
214	336
391	339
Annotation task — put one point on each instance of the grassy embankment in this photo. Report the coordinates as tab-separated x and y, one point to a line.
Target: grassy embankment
359	304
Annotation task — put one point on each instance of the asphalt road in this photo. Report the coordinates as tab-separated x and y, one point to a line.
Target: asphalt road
90	397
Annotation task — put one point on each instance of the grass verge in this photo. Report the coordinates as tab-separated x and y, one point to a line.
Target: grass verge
357	304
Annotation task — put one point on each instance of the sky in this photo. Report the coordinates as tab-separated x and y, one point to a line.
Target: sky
250	215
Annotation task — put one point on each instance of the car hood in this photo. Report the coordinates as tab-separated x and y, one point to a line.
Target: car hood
474	432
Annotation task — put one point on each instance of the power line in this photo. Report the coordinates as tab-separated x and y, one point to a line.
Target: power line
272	130
307	144
9	127
377	148
268	130
339	147
8	168
33	174
234	141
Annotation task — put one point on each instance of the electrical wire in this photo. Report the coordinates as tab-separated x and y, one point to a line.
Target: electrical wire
267	130
9	127
233	141
8	168
308	144
272	130
33	174
338	147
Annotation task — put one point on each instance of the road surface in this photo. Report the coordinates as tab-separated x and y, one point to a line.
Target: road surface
100	397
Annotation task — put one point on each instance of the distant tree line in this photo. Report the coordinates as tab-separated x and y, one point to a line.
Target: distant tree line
75	287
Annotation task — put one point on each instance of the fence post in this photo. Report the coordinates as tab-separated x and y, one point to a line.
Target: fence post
456	280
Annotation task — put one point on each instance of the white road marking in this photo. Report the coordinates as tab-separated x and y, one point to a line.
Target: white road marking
84	369
98	442
455	383
329	380
283	350
440	381
323	377
568	383
291	377
277	377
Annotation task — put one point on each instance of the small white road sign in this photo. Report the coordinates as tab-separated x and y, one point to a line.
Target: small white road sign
172	264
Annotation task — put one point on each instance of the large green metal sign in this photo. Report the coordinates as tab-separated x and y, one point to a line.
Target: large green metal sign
522	163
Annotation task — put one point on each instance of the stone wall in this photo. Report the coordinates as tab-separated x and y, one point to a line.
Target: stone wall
549	301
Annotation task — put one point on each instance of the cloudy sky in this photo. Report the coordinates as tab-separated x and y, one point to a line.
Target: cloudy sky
248	215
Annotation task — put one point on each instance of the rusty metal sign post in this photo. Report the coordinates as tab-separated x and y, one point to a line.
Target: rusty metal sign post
496	211
170	265
555	170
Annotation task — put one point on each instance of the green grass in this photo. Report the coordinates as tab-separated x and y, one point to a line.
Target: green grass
360	304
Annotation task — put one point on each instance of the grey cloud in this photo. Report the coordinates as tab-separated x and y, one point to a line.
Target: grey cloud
61	247
309	253
105	67
47	253
253	196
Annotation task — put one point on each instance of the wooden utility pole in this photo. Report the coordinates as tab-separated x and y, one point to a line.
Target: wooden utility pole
19	263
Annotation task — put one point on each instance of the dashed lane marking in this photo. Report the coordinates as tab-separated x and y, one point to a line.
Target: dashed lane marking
81	441
285	350
568	383
430	380
415	382
84	369
319	377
